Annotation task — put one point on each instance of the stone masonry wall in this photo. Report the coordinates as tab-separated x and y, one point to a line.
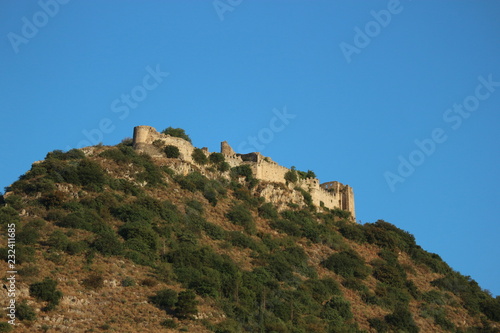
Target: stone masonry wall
331	194
144	136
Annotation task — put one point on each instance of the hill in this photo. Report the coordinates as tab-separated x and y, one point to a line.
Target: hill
113	239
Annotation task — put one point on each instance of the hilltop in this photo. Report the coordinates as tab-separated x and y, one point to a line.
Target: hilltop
156	235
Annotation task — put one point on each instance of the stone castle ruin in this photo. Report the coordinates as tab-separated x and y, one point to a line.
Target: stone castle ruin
330	195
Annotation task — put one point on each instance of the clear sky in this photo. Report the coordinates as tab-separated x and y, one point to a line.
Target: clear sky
400	100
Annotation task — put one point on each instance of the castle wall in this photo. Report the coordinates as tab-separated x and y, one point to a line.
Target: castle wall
229	155
144	136
343	193
331	194
270	171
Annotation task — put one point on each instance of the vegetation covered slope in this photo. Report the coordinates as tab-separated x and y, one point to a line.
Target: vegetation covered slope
110	240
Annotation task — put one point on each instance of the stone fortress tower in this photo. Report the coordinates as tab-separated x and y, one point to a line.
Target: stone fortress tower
331	194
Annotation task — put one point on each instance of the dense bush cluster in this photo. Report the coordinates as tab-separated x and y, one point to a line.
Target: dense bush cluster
177	132
47	291
199	156
293	175
347	264
211	189
240	215
171	151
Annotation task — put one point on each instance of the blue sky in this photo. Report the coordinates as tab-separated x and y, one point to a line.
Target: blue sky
345	89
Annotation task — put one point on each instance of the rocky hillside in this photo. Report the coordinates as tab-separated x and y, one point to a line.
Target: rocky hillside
110	240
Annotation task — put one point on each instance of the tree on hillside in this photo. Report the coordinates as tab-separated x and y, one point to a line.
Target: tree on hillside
186	304
177	132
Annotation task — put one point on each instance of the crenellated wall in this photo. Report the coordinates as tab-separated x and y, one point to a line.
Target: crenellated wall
330	194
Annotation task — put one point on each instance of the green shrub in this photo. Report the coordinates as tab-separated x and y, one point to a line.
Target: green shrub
216	158
291	176
196	205
268	211
466	288
186	305
126	142
169	323
176	132
52	199
355	284
240	215
347	264
434	297
390	297
337	306
239	239
41	184
305	175
307	197
207	282
171	151
15	201
244	170
46	291
402	320
164	299
25	312
91	173
491	308
210	194
282	264
58	240
193	181
37	223
144	233
8	215
214	231
431	260
152	173
321	289
122	155
352	231
108	244
389	273
287	227
5	327
223	167
29	271
164	272
76	247
438	313
128	282
302	224
343	214
199	156
24	253
244	194
72	154
388	236
28	235
379	325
